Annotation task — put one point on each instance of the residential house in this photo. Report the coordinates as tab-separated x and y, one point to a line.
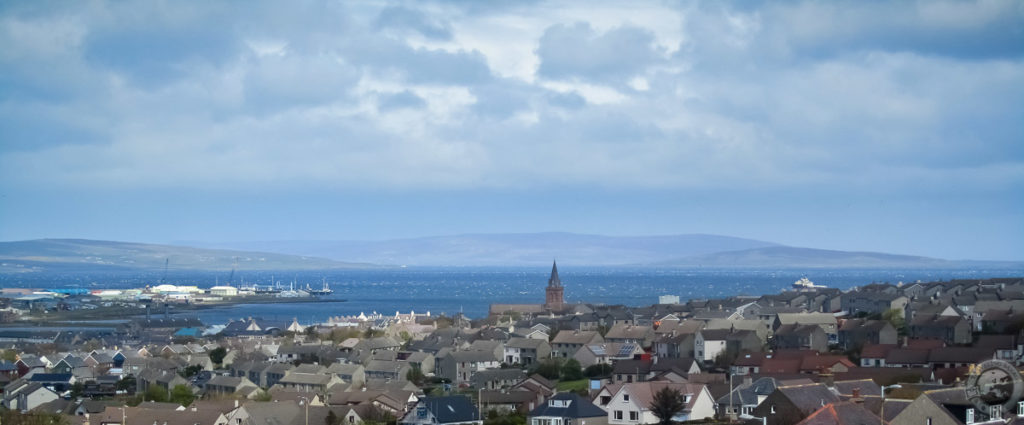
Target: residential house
746	396
791	404
801	336
526	351
951	357
459	366
567	342
854	302
35	395
496	379
1007	347
350	373
567	408
941	407
630	334
710	343
826	321
443	410
873	355
631	403
852	412
506	402
854	333
641	370
606	353
229	385
387	370
310	382
950	329
906	358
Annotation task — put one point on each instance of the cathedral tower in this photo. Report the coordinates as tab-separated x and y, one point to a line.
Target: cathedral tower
554	291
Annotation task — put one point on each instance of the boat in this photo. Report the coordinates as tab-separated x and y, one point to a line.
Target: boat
805	283
326	290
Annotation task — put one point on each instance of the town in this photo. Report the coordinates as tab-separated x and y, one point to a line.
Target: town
908	353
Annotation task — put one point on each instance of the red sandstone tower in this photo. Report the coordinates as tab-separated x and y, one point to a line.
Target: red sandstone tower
554	300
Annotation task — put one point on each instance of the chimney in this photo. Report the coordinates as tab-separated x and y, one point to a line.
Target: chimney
236	403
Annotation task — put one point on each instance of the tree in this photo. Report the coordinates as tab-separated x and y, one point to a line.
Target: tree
15	417
548	369
155	393
332	419
126	384
599	370
182	395
415	375
571	371
895	316
666	404
191	371
263	395
76	389
10	356
217	355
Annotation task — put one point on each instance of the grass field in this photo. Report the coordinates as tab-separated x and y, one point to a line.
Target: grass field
575	386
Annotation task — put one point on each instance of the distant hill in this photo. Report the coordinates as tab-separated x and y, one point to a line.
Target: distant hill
517	249
791	257
90	255
502	250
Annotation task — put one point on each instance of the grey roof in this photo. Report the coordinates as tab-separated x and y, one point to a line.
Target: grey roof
499	374
451	409
578	407
866	387
473	356
531	343
746	394
809	398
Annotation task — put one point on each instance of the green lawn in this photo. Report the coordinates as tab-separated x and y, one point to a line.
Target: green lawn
578	385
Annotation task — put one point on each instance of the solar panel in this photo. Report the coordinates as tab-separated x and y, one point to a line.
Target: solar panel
626	350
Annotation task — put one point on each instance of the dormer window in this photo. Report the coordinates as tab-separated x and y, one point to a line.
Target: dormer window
559	403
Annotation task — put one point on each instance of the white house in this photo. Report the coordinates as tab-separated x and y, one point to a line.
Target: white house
630	404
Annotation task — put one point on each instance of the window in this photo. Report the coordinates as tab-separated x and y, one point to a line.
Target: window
605	399
970	416
995	411
634	416
625	397
1020	408
618	415
773	409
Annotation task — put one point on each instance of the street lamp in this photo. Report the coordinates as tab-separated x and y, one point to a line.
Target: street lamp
306	403
881	411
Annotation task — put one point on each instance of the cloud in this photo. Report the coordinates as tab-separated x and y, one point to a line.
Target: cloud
446	95
578	51
403	19
403	100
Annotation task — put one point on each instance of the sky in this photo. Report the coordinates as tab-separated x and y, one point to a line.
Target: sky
865	125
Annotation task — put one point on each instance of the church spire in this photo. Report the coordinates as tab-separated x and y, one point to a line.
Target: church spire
554	281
